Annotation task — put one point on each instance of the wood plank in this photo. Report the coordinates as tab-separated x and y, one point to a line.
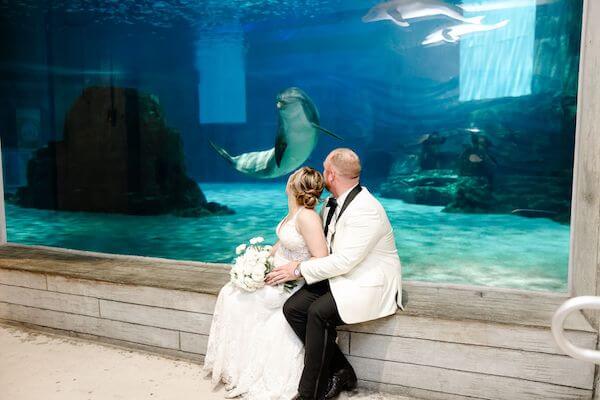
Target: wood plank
101	327
152	296
412	392
481	333
126	270
132	260
487	304
22	278
462	383
49	300
121	344
194	343
539	367
156	316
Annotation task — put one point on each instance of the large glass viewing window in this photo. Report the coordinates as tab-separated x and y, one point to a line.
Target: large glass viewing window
463	114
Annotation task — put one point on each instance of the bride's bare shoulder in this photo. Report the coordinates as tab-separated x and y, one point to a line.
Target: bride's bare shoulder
308	217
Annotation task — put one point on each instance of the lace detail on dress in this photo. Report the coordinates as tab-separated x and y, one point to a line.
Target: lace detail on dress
292	246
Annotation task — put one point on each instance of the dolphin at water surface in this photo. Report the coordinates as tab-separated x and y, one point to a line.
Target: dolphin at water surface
297	136
401	11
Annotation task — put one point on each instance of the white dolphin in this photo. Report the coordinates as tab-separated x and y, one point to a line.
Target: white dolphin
401	11
453	34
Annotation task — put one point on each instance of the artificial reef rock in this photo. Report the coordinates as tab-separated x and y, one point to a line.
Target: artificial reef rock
117	156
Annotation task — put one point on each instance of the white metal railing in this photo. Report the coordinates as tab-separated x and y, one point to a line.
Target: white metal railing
576	303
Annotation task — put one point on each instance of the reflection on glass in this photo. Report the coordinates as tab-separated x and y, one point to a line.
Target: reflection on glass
454	33
402	11
463	113
499	63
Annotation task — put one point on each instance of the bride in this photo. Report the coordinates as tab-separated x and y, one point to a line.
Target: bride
251	347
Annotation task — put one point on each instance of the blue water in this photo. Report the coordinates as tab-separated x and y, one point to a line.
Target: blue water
214	69
491	249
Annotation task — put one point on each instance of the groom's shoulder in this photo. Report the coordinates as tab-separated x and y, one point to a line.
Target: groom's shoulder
367	197
365	200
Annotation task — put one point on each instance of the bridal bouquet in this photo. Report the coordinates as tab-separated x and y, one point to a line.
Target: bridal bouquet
252	264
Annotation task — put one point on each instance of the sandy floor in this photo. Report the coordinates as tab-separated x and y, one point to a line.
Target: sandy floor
35	365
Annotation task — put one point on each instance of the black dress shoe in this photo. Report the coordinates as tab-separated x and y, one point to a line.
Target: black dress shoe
344	379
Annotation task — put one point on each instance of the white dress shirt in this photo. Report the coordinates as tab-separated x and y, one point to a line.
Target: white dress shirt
340	203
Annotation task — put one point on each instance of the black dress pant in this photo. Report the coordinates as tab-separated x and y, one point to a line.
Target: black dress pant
313	315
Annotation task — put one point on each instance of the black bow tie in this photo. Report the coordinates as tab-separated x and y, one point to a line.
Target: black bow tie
332	202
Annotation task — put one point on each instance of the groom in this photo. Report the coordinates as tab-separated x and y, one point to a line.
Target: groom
358	281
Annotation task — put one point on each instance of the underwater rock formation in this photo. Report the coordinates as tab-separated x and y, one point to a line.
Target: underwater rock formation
430	187
473	195
499	165
117	156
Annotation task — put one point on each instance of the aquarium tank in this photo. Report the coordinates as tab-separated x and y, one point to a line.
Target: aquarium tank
150	127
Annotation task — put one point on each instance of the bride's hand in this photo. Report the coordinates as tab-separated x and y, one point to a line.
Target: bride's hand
282	274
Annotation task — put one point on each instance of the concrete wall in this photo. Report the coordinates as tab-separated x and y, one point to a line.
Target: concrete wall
426	357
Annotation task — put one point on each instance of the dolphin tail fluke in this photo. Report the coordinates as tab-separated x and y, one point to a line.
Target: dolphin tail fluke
222	152
448	37
327	131
475	20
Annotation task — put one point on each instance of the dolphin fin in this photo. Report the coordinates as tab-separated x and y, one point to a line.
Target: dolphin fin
326	131
222	152
280	146
397	17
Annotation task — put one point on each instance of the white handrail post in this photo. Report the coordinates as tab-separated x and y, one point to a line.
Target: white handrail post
574	304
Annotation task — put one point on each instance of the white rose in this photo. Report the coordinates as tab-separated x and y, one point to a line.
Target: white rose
240	248
259	269
256	240
258	276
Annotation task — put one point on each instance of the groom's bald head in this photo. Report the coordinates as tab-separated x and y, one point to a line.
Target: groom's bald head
341	170
345	162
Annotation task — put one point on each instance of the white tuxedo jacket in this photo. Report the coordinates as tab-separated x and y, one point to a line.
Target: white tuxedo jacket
363	269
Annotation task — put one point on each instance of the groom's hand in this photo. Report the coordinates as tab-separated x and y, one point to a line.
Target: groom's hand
282	274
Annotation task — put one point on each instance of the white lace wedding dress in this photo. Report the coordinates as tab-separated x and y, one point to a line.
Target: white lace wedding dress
251	347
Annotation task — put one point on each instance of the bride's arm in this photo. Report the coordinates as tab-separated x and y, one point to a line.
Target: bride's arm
311	229
274	248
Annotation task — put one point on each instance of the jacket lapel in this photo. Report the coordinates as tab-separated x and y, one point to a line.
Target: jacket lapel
351	196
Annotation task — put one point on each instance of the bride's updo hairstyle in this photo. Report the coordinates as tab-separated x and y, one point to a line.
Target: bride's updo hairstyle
306	185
